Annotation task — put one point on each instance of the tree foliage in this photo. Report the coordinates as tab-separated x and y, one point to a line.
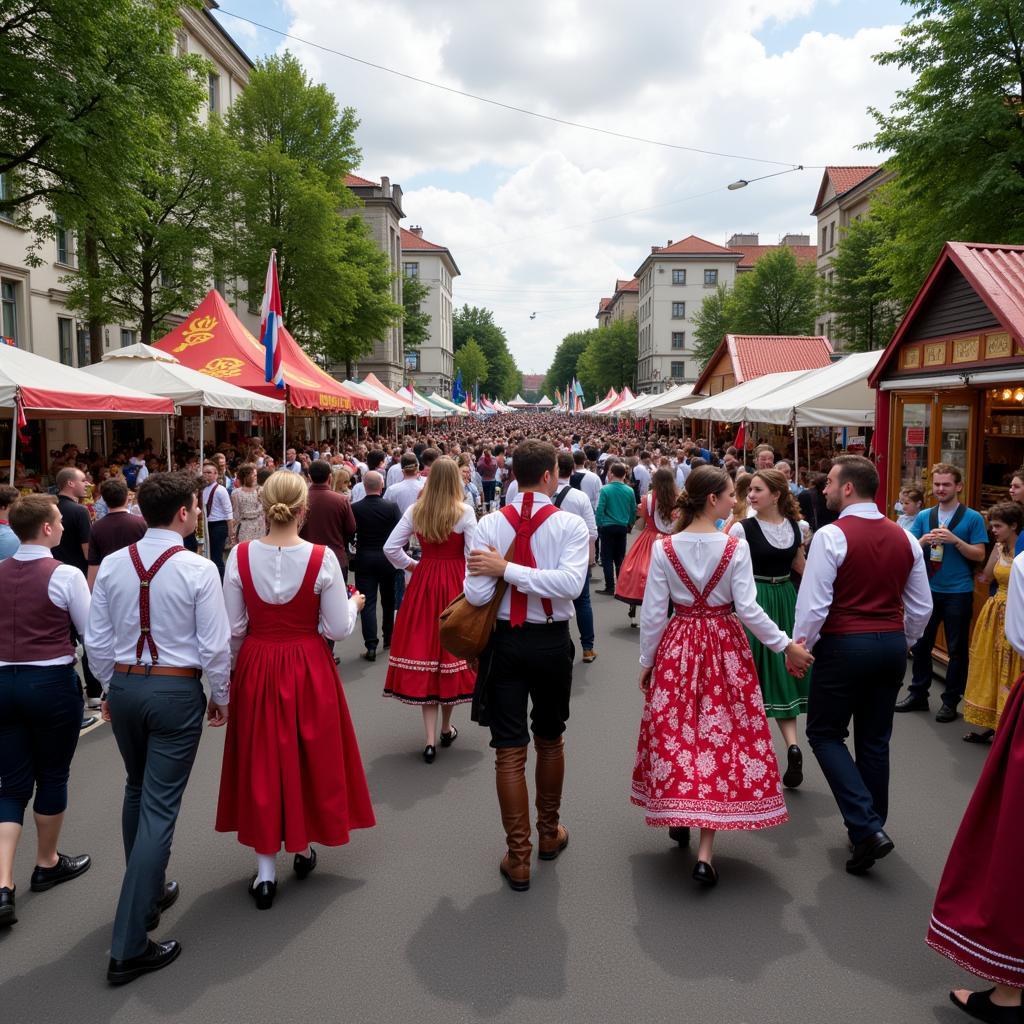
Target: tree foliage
503	376
609	360
563	366
711	323
956	136
416	322
471	361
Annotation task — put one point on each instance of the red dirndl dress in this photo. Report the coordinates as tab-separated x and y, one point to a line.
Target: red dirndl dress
420	670
292	770
978	917
704	758
632	581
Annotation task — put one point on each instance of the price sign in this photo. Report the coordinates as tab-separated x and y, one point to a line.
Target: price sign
915	437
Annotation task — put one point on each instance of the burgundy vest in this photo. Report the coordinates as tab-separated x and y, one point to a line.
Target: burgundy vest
868	593
34	628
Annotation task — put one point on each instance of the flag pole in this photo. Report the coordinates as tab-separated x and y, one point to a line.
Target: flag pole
14	437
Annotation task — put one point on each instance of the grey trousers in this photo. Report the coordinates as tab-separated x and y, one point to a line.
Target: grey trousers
157	721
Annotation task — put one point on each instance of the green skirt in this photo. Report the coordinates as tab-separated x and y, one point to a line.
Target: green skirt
784	695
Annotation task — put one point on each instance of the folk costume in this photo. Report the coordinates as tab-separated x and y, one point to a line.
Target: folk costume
632	581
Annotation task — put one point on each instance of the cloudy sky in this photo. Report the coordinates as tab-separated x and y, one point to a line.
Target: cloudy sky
542	217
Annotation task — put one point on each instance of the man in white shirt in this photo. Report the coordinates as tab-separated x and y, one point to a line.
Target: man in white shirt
291	463
157	622
529	658
394	474
218	514
569	499
642	474
407	490
864	601
587	481
374	461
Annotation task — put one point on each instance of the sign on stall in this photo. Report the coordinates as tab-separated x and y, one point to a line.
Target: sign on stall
915	437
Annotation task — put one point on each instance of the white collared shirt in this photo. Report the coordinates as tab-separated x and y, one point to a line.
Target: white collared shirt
406	491
578	503
187	617
591	485
222	510
828	551
561	549
394	474
642	475
67	589
358	492
1015	606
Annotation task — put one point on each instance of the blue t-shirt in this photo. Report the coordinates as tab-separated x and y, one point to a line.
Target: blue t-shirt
1020	546
955	574
8	542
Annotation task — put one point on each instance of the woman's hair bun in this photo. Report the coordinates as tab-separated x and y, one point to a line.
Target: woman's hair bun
280	512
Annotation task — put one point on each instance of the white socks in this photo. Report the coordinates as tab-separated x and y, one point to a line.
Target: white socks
266	870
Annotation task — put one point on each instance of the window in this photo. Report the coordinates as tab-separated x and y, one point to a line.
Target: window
181	42
165	279
83	346
678	310
9	303
411	269
127	337
832	235
678	370
219	286
679	277
213	98
63	237
65	331
710	278
679	339
412	361
824	239
5	193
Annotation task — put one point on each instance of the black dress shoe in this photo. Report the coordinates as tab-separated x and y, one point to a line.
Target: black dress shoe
7	914
912	702
704	874
946	714
867	851
304	865
979	1005
157	955
170	895
368	655
679	834
263	893
448	738
605	590
794	768
429	753
64	870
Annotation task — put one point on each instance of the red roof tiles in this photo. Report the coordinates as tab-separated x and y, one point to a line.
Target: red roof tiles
752	253
354	181
632	285
696	246
603	305
842	179
410	240
754	355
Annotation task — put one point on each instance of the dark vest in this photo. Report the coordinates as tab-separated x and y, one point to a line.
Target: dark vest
767	559
867	596
34	628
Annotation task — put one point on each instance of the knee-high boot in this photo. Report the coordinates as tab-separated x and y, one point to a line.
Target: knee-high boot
553	838
514	801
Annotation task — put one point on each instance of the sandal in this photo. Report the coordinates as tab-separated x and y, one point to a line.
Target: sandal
984	737
979	1005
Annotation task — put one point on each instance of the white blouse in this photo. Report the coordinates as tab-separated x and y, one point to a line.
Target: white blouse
655	516
700	554
394	545
779	535
277	574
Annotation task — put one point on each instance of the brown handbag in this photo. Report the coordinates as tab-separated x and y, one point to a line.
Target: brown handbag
466	628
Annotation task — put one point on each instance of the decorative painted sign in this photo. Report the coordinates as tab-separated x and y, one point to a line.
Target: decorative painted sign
199	330
966	350
911	359
998	346
935	354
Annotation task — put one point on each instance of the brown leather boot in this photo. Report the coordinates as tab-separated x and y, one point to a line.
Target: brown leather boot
553	838
514	801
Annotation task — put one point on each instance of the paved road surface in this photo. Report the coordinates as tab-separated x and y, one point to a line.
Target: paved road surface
411	921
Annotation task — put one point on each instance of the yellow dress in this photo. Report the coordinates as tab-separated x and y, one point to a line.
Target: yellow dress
994	665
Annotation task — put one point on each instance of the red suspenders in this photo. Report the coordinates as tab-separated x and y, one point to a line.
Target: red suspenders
145	579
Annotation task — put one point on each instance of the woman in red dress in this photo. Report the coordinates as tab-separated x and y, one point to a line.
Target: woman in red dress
292	771
704	758
420	671
657	512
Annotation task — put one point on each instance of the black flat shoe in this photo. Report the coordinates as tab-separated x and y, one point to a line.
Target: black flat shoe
64	870
605	590
448	738
369	655
304	865
263	893
704	874
386	644
7	914
946	714
867	851
679	834
979	1005
912	702
985	737
157	956
794	768
170	896
429	753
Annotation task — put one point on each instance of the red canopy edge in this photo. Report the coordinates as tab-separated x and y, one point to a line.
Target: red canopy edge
42	400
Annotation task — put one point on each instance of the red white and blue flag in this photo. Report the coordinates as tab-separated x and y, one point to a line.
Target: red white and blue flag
270	324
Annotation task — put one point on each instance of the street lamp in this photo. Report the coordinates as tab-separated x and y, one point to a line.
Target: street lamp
744	182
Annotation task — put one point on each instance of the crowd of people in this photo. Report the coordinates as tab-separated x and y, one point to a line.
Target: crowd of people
754	594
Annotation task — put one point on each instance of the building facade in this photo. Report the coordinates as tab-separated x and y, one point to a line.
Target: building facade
431	367
382	210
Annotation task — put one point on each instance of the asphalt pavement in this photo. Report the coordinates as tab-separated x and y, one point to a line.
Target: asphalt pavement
411	921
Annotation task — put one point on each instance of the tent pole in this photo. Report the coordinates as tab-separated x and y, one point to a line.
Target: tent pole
170	464
14	440
202	457
284	435
796	445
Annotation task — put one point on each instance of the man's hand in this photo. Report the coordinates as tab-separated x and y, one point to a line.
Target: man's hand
487	562
360	600
216	714
105	710
940	535
798	660
644	681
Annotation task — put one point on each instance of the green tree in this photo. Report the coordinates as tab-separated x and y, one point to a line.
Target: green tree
416	324
779	296
609	360
470	359
956	136
859	296
503	376
711	323
563	366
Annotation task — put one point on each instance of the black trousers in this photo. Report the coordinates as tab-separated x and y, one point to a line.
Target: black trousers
529	666
953	612
375	574
217	537
613	551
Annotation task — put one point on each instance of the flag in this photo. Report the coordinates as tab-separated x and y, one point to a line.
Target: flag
458	391
20	409
558	398
741	438
476	397
270	324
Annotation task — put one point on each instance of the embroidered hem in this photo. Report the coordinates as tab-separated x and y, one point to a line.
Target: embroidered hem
462	698
444	667
742	815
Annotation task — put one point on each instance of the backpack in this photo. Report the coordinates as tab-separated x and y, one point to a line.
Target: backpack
560	497
576	480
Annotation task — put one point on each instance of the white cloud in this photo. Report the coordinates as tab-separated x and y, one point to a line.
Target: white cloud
694	74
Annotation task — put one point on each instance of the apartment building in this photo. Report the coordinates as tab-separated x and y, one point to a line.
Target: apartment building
431	367
749	245
382	210
844	196
604	316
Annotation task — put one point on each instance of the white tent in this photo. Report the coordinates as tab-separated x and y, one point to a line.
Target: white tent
420	404
667	405
545	403
836	395
387	407
731	406
445	403
519	402
610	399
160	373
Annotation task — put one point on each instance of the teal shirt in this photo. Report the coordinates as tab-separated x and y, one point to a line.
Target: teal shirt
616	505
955	574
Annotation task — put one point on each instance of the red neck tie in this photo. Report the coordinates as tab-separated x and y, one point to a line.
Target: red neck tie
521	556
